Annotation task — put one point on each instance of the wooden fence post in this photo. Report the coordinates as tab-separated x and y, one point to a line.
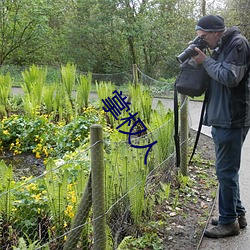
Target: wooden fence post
98	195
135	74
80	218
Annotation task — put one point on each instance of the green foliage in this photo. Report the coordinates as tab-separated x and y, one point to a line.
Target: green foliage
64	180
29	245
144	106
43	137
23	25
5	90
147	241
6	184
103	36
57	188
162	123
125	174
34	81
105	90
83	91
68	74
30	206
164	192
48	98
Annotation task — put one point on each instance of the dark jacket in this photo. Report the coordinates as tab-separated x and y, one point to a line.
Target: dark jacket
228	103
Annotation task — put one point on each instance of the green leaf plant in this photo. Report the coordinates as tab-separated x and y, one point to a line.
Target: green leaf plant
33	86
105	90
141	101
68	74
162	125
83	91
6	184
5	90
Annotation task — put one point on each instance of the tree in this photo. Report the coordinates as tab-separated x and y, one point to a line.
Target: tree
21	21
237	12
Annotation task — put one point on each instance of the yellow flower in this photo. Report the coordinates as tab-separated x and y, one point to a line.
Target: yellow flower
38	156
6	132
73	199
14	209
37	196
69	211
31	187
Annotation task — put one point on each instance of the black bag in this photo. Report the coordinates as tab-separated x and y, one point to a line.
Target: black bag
192	80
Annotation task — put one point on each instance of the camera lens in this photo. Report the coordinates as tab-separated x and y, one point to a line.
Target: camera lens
187	53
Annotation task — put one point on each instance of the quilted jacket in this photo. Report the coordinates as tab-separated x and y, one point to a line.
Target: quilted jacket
228	104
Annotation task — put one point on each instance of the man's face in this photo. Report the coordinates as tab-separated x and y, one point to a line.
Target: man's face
211	38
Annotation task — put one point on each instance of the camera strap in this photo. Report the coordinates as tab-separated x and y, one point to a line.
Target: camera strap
199	127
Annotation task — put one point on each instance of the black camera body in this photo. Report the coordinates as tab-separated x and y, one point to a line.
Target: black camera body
190	51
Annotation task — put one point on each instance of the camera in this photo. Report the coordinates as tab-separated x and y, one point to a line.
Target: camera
190	51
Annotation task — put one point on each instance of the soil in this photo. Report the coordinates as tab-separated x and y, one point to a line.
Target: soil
187	222
25	164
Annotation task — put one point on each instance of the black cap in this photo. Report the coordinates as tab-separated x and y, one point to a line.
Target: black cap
210	23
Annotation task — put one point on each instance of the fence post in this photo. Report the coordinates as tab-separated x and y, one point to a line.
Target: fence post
80	218
184	135
135	74
98	195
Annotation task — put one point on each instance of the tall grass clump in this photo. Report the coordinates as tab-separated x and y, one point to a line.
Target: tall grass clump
33	85
83	91
48	97
141	101
104	91
68	74
5	90
162	125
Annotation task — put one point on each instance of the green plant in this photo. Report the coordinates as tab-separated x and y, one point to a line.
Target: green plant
164	191
105	90
83	91
144	106
184	181
68	74
147	241
162	126
5	90
34	81
30	207
176	199
125	174
48	98
6	196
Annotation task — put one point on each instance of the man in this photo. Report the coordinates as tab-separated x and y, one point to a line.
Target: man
228	112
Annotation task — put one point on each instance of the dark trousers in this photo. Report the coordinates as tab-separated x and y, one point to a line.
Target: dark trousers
228	145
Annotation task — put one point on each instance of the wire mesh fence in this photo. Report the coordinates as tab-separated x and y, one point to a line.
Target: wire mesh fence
56	209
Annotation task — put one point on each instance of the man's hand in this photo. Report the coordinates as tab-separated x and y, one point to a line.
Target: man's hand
200	58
